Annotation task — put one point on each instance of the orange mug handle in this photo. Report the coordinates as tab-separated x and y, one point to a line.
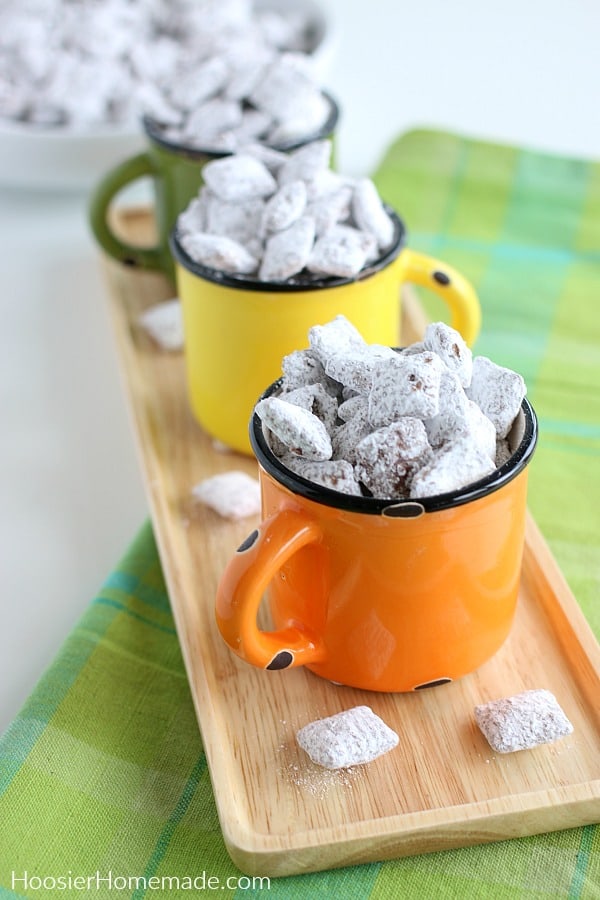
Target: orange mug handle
447	283
247	575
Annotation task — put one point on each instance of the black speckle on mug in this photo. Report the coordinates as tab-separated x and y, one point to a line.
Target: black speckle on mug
441	278
249	542
430	684
282	660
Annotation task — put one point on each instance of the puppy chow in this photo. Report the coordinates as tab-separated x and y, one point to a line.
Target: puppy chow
287	252
238	221
194	217
335	337
288	85
223	124
76	65
338	474
350	738
356	368
370	215
196	86
219	252
330	208
451	348
387	458
523	721
460	417
233	495
376	404
306	162
405	386
301	367
341	251
497	391
284	207
347	437
304	122
455	465
238	177
164	324
352	406
303	433
317	400
272	159
292	188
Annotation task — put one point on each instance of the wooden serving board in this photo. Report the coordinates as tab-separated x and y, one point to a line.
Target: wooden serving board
442	786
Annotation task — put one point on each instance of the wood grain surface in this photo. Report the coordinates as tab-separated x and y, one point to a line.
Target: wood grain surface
442	786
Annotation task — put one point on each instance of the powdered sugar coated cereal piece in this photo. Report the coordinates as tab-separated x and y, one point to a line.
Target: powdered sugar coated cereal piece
387	458
350	738
210	124
299	368
284	207
352	406
355	369
453	403
331	208
370	215
481	430
498	392
233	495
301	122
460	417
338	474
285	89
302	432
238	221
405	385
219	252
455	465
272	159
194	217
306	162
287	252
164	324
451	348
335	337
341	251
317	400
523	721
346	438
204	81
239	177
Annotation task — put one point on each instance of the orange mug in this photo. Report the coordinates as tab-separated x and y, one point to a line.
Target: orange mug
376	594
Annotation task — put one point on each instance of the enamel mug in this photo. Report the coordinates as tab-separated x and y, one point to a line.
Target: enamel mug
237	329
379	594
176	173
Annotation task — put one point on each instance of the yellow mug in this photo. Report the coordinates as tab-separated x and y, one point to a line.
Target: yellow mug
237	329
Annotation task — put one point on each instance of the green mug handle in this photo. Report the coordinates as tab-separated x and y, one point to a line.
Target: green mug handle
114	181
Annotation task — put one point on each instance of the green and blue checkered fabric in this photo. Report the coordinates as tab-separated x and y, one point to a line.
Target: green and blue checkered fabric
102	775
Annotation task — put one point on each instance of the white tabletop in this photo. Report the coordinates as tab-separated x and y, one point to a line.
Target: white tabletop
525	73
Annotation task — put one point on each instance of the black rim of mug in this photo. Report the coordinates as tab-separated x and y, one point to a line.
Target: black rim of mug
394	507
154	131
303	282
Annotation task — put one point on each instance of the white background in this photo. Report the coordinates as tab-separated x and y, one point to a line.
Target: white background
71	497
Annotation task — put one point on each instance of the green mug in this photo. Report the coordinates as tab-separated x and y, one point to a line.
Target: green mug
176	171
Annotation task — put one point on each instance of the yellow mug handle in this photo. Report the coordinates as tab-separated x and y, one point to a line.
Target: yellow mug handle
450	285
247	575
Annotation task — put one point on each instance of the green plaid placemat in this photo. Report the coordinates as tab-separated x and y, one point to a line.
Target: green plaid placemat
104	790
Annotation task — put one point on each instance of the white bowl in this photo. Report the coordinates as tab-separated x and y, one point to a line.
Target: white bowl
75	159
61	159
